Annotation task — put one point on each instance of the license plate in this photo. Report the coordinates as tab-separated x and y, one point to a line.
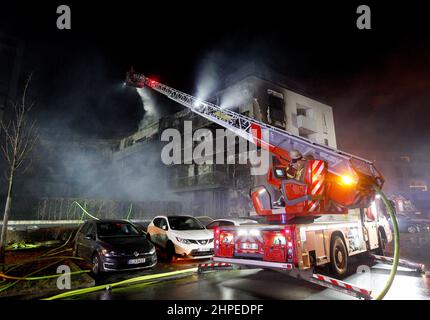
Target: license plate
202	249
249	246
136	261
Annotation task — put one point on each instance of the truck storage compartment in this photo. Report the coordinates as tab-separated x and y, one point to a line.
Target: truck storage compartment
275	246
225	245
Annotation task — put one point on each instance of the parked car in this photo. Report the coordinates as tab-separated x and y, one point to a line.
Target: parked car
181	236
230	222
111	245
205	220
407	224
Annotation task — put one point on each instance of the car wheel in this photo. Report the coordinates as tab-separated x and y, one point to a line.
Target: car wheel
170	252
412	229
95	264
338	257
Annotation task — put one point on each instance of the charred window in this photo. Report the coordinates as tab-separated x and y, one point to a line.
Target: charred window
276	110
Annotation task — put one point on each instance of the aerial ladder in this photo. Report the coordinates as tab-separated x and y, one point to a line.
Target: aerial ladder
334	180
333	183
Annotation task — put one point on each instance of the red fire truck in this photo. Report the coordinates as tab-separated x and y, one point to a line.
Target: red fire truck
327	215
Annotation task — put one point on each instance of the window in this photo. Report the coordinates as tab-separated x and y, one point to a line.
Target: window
157	222
301	112
116	229
163	224
85	228
185	223
91	230
212	225
325	130
221	223
326	142
276	110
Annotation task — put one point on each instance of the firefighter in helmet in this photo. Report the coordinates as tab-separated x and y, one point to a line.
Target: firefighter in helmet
294	170
297	165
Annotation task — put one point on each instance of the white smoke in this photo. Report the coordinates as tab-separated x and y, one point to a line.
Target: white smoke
150	111
208	79
237	96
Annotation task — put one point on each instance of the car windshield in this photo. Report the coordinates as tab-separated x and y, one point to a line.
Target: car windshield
185	223
116	229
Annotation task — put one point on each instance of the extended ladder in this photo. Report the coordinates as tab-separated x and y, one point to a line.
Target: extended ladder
276	140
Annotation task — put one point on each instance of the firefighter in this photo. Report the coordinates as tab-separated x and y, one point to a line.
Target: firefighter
294	170
296	167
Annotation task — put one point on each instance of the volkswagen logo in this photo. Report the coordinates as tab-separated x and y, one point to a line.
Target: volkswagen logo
136	254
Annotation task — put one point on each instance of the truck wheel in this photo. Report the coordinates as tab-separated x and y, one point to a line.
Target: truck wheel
170	252
338	257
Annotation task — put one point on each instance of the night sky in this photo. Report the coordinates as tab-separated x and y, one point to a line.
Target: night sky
377	81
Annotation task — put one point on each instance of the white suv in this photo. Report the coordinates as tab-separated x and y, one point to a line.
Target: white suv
181	236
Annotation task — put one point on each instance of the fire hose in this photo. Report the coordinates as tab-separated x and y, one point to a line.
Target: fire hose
396	256
380	296
47	255
124	282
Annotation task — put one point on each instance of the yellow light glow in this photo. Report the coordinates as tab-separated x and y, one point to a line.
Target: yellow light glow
348	180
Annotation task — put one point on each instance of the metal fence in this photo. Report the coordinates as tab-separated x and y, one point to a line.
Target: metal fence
70	209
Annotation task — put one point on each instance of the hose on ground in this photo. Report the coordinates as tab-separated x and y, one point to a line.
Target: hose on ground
47	255
121	283
396	256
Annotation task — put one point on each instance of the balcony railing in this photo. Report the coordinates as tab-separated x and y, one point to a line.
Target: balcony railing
212	179
306	124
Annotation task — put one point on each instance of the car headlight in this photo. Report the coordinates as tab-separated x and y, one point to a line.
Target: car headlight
152	251
184	241
108	253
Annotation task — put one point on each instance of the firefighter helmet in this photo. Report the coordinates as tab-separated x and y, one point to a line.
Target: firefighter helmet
295	154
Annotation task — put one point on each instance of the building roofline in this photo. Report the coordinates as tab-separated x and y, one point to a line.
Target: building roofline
265	73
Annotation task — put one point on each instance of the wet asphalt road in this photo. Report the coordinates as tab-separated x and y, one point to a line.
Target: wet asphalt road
253	284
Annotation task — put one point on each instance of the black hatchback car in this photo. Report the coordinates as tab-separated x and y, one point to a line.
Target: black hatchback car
112	245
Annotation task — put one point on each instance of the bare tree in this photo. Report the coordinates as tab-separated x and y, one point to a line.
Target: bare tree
20	136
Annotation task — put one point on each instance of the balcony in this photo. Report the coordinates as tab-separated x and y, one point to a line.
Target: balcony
306	125
208	180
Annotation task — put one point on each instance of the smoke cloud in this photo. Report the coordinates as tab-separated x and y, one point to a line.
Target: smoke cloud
151	112
239	95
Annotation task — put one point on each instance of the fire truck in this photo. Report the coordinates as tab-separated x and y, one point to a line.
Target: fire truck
328	215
